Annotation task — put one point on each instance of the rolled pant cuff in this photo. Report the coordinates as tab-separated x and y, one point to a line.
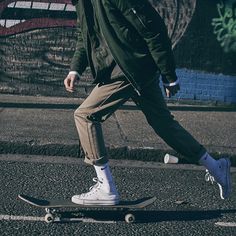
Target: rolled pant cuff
99	161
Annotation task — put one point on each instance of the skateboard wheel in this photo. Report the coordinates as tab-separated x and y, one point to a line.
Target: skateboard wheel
129	218
49	218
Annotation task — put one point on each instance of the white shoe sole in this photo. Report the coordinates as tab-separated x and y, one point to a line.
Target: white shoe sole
102	202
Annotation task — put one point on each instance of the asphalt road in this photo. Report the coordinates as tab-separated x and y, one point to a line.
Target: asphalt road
45	126
186	204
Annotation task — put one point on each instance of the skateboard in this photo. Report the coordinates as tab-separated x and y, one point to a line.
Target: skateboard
53	206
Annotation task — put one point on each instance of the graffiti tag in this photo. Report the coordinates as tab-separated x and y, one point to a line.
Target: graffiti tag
24	15
19	16
225	25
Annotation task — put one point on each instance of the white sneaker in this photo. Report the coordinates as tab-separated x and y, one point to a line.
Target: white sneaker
98	195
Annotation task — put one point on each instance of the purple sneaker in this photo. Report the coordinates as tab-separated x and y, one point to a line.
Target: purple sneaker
222	177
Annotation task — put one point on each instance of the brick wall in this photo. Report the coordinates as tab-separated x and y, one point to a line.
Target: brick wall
202	86
210	73
36	62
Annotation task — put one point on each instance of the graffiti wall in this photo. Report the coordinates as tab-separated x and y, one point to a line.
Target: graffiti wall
224	25
37	41
209	42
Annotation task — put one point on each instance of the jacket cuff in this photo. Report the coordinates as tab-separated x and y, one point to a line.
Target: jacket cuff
171	84
74	73
167	79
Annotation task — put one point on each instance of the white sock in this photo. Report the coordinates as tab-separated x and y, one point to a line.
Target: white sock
104	174
209	162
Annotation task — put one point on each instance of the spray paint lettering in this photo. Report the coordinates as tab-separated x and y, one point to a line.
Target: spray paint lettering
225	25
21	16
38	39
18	16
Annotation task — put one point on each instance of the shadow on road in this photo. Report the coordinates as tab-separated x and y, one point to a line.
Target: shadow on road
149	216
28	105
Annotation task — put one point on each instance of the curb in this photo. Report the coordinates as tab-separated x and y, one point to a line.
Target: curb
116	153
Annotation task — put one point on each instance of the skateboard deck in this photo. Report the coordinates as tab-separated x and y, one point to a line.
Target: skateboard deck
52	205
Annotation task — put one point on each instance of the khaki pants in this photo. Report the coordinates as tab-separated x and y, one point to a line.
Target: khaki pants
107	97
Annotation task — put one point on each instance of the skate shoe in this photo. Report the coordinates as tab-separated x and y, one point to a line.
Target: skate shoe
221	175
98	195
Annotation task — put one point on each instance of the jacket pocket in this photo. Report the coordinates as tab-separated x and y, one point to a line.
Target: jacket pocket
141	17
144	18
138	17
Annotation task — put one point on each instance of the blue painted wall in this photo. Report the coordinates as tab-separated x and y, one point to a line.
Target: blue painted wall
202	86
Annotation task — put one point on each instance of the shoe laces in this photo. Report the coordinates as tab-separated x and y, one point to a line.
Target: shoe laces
93	188
209	177
98	183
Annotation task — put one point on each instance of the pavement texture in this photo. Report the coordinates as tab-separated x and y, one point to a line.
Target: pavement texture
186	205
45	126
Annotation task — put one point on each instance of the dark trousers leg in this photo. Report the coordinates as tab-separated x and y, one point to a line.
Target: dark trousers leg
159	117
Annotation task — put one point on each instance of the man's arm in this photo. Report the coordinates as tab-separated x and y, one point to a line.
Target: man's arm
145	19
78	63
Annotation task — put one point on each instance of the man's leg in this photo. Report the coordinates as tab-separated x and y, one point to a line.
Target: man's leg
99	105
159	117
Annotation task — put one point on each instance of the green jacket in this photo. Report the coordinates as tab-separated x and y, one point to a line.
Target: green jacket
137	38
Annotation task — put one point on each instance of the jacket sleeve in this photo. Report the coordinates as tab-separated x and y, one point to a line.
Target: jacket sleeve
79	60
145	19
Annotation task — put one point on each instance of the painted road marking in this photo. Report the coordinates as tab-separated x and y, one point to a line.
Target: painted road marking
35	218
86	220
226	224
23	218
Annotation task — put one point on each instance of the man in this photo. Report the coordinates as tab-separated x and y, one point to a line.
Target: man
126	45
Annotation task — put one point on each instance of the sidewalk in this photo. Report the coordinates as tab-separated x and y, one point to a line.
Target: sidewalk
45	126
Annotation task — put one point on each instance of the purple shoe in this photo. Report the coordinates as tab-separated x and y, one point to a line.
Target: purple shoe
222	177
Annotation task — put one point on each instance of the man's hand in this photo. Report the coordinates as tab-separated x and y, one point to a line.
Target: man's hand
171	90
69	82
